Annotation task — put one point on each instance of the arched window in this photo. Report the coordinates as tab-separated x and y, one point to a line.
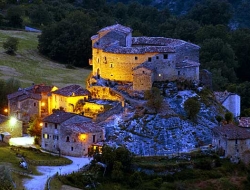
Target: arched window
67	139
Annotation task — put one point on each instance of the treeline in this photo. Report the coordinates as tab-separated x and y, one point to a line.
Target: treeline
67	26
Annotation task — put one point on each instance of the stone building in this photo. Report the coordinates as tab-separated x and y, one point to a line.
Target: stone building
230	101
117	56
233	141
55	132
11	126
29	101
68	98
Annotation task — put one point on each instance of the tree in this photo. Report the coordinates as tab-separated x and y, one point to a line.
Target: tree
211	12
35	128
192	107
154	98
228	117
219	118
7	87
14	16
11	45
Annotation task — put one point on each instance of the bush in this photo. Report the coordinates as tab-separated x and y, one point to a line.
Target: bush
11	45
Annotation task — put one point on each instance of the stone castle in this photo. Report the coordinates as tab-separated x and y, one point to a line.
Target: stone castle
117	56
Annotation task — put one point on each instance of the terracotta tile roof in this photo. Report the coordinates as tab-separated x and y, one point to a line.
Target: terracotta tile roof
116	27
58	117
72	90
222	96
244	122
3	118
41	88
86	127
231	132
186	64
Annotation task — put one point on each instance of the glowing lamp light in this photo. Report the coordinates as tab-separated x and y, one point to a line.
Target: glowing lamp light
6	110
13	121
82	137
43	104
41	124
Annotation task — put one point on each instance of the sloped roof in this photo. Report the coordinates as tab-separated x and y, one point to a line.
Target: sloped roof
244	122
187	64
86	127
58	117
232	132
72	90
117	27
222	96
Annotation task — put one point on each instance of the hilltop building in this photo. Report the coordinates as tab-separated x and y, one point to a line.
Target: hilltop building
117	56
230	101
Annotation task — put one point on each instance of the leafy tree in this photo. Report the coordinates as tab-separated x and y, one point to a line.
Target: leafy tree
40	16
192	107
11	45
211	12
35	128
228	117
154	98
14	16
69	40
7	87
219	119
117	173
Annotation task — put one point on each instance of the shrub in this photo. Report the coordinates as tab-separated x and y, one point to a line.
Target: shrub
10	45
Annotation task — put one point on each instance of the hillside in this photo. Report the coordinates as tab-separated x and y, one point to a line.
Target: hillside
29	66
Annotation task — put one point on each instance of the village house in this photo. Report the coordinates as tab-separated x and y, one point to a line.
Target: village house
28	102
233	142
230	101
9	127
244	121
117	56
63	133
68	98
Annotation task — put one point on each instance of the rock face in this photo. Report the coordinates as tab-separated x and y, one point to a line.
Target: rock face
167	132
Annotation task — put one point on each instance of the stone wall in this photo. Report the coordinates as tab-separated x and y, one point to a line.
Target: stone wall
142	79
104	93
115	110
232	103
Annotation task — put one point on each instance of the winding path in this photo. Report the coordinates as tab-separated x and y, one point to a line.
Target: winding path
39	182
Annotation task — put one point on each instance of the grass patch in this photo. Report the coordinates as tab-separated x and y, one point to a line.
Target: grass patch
29	66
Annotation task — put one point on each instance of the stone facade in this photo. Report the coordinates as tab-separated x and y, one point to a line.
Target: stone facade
116	54
11	126
230	101
234	141
67	98
55	132
104	93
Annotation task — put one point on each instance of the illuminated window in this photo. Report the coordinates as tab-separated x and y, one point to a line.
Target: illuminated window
46	136
165	56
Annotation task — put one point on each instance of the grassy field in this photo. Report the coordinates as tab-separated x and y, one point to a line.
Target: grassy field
29	66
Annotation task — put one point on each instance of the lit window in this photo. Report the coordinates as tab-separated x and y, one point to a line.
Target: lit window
159	75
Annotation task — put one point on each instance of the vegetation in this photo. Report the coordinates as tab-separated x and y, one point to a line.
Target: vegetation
35	128
10	45
154	98
195	170
192	107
